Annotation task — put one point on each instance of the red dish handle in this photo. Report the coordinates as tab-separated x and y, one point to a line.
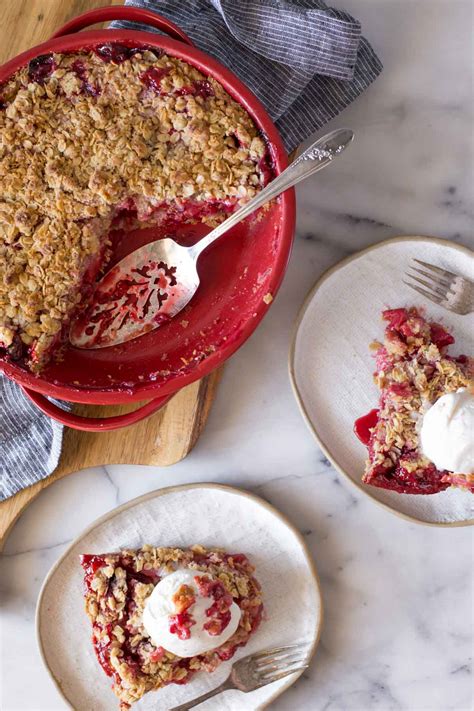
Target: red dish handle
132	14
94	424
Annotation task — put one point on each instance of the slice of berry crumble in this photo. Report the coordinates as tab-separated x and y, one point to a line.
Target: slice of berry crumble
117	587
413	370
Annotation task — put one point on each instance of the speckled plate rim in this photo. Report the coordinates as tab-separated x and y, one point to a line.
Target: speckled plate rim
299	398
169	490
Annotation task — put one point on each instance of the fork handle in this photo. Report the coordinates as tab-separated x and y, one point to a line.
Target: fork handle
320	154
227	684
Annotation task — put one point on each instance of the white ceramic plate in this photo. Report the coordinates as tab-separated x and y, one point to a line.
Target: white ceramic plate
180	516
331	367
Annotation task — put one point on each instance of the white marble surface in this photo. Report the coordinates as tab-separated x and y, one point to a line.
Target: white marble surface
398	596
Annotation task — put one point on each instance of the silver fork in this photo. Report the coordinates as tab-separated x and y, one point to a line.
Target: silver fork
256	670
452	291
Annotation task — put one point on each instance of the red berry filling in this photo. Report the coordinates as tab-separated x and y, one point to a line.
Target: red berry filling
119	53
219	611
157	655
364	426
116	53
395	317
153	76
181	624
397	478
79	69
91	564
201	87
40	68
440	336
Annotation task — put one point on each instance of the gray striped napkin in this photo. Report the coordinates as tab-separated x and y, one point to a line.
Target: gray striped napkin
305	61
30	443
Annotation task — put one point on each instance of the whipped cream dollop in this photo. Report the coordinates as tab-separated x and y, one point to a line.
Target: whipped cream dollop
447	432
189	613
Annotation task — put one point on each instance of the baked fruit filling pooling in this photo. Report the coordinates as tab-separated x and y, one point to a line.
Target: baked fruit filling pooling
426	394
89	139
159	615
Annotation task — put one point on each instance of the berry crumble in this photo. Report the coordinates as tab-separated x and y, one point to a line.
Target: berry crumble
87	139
117	587
413	371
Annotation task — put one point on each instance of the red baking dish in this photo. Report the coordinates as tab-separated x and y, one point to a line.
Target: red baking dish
239	276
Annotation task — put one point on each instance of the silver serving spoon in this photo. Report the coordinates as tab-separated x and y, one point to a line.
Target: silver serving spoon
155	282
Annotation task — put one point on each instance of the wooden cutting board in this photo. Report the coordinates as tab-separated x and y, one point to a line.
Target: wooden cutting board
169	435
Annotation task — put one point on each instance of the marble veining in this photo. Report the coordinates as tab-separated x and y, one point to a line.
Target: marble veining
398	596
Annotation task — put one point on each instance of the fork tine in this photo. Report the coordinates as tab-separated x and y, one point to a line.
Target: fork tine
433	268
435	279
268	653
286	654
280	664
279	658
424	292
275	677
440	292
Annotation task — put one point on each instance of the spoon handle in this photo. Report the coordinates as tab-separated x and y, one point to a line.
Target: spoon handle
314	158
